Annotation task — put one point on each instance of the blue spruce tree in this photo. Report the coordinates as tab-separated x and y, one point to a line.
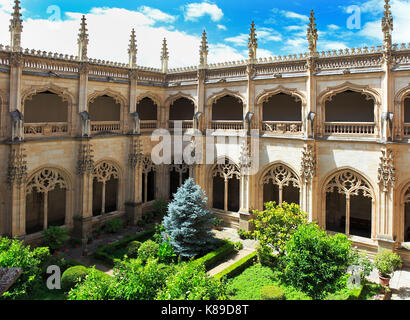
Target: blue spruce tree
188	222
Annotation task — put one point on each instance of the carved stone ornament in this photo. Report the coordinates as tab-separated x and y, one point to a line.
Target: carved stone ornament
104	171
387	172
86	159
135	157
227	170
17	169
308	165
46	180
349	183
281	176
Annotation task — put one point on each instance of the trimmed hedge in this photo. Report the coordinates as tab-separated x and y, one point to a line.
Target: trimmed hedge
107	255
237	268
72	276
213	258
272	293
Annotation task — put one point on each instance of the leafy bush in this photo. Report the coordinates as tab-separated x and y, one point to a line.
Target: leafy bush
149	249
265	256
159	233
135	281
166	253
275	225
132	249
315	261
148	217
13	254
244	234
238	246
54	237
386	262
159	208
360	263
189	281
72	276
272	293
189	223
95	287
141	223
114	225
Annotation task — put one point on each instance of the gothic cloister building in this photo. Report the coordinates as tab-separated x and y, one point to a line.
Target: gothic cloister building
333	136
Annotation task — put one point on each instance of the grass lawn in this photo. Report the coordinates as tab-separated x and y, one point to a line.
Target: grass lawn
248	286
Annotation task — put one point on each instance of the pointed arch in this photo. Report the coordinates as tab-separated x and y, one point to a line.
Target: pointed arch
266	94
171	99
117	96
154	97
402	126
279	182
48	198
404	209
225	92
349	203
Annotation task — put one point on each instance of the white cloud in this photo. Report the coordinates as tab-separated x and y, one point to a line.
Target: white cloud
294	15
157	15
240	40
109	32
401	12
221	27
333	27
193	11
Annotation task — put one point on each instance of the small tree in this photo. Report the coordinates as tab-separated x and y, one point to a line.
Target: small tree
275	225
188	222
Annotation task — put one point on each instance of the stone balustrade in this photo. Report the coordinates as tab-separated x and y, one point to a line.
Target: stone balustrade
406	130
186	124
148	125
105	126
350	128
226	125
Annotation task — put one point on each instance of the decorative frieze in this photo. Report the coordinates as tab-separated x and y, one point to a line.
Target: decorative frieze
135	156
387	172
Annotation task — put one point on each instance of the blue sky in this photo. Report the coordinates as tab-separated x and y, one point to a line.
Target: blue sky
281	26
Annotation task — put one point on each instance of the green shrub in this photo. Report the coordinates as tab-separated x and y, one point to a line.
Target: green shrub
132	249
166	253
236	268
148	217
244	234
141	223
114	225
386	262
149	249
272	293
215	257
54	237
135	281
94	287
315	261
159	233
72	276
189	281
159	208
265	256
238	246
13	254
275	225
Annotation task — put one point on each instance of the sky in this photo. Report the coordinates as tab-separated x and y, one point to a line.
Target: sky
51	25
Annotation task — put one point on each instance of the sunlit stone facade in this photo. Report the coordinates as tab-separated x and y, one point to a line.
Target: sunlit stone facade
333	136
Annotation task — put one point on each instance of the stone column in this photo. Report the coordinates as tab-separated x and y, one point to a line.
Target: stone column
85	168
133	204
385	231
16	177
308	173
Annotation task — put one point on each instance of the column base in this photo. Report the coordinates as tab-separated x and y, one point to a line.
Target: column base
386	242
244	218
133	212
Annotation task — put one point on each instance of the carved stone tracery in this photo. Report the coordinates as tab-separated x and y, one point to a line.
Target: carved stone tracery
387	172
17	169
281	176
227	171
105	171
350	184
308	165
46	180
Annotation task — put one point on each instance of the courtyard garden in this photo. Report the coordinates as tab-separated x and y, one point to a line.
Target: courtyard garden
171	254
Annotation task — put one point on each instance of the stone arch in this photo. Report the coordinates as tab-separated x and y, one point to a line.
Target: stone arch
119	99
329	93
278	182
157	100
148	179
400	107
404	209
177	96
48	198
348	202
224	182
58	115
223	94
107	178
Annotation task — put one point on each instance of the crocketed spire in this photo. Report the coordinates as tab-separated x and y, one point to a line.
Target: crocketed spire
83	40
16	26
312	34
252	43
